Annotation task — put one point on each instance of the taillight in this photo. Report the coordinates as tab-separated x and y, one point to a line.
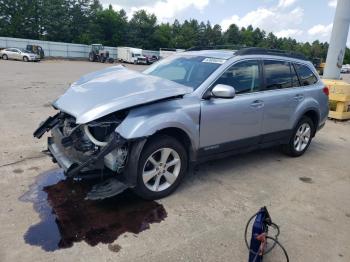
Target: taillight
326	90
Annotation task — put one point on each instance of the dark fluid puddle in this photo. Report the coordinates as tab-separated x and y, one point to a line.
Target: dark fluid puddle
66	217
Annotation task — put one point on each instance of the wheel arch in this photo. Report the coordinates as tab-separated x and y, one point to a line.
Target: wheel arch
181	136
313	114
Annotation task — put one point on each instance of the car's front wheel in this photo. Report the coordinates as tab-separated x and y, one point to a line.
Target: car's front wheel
162	166
301	137
25	59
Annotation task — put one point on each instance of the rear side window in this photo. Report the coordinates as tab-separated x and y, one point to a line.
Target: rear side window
277	74
306	76
243	76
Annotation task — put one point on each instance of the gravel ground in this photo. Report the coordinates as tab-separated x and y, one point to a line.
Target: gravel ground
309	197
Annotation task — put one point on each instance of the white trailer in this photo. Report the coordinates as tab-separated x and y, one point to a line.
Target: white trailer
131	55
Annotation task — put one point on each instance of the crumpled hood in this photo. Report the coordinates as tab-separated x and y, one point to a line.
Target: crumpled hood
115	88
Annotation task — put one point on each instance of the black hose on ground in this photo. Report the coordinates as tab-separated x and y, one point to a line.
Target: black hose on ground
274	239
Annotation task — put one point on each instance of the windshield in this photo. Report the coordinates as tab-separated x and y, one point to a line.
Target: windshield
184	69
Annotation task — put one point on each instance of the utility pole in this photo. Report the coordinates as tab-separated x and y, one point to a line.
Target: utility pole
337	44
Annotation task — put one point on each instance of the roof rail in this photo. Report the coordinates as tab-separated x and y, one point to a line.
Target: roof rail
213	47
265	51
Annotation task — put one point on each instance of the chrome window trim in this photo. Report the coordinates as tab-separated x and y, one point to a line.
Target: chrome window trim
262	59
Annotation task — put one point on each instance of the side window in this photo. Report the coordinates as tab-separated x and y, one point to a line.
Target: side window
243	76
306	76
277	74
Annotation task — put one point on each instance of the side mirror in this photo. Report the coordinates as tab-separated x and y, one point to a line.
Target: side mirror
223	91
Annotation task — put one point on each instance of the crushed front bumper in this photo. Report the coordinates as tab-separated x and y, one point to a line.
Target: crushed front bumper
74	162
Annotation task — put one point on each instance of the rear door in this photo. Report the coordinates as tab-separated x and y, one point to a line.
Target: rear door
282	96
228	124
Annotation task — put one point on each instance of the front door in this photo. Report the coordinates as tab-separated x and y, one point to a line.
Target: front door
235	123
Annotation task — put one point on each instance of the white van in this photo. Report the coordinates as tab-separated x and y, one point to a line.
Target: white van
131	55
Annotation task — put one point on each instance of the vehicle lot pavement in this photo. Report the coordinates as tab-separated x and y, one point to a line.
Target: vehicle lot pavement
207	214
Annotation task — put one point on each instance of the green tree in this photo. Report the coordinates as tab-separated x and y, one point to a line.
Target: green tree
162	36
56	20
233	36
20	18
109	27
141	29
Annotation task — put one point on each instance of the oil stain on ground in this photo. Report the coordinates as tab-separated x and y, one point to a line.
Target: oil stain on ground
306	179
66	217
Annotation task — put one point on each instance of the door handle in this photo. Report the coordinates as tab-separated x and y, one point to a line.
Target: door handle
298	97
257	104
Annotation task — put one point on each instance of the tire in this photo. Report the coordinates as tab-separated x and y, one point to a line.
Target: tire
5	57
135	62
91	58
25	59
301	138
168	176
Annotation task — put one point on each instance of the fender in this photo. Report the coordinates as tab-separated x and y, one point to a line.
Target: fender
144	121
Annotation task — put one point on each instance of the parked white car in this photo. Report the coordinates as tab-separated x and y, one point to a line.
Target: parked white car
345	69
18	54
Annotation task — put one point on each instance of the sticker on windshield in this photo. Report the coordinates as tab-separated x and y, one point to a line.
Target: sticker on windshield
214	60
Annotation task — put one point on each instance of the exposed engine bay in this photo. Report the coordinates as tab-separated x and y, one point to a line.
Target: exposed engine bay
90	146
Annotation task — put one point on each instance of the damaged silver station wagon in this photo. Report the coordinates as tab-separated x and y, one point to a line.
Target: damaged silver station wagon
145	129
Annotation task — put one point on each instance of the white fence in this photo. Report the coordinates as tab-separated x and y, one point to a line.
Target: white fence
58	49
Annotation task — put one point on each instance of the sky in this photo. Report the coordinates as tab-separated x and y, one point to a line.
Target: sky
300	19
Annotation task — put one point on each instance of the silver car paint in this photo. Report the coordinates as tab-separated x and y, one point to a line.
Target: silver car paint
225	120
206	122
19	55
182	113
115	88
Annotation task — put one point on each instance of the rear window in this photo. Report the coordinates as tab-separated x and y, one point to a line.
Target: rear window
277	74
306	76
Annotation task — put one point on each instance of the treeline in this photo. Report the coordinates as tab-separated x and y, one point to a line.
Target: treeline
86	21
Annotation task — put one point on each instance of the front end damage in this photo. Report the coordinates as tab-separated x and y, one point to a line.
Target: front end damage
91	150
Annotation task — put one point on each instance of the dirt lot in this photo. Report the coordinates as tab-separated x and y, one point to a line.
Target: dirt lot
309	197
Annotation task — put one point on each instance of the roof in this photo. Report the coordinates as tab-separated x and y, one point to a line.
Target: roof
273	52
221	54
251	51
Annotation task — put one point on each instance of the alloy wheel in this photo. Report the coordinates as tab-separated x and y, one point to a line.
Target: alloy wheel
161	169
302	137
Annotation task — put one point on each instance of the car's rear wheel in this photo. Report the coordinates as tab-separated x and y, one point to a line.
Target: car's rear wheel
5	57
301	138
25	59
162	166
